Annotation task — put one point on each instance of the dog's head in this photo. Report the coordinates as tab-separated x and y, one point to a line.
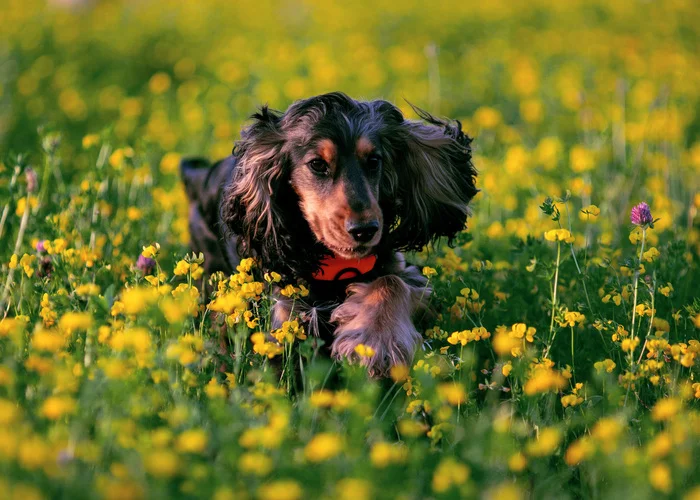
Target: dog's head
333	175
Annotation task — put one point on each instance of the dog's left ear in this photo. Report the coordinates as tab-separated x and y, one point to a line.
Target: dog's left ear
434	181
250	207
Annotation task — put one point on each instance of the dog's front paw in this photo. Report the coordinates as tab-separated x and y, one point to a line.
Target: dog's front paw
377	315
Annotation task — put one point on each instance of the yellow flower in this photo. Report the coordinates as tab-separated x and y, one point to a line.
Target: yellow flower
636	235
572	318
9	412
578	451
192	441
582	159
14	260
411	428
546	443
429	272
608	365
159	83
487	117
665	409
559	235
182	268
453	393
26	262
136	300
660	478
87	289
150	251
660	446
255	463
33	453
629	345
571	400
544	380
162	463
364	351
11	325
272	277
449	473
57	406
651	255
504	491
322	399
517	462
353	489
504	344
383	454
666	290
399	373
285	489
322	447
90	140
215	390
72	321
170	163
589	212
22	205
245	265
606	432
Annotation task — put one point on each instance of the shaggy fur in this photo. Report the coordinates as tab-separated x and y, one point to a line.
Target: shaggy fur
333	176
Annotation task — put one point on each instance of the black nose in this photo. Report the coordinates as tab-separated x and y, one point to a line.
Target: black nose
364	231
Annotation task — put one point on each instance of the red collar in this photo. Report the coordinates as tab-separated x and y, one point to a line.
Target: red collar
337	268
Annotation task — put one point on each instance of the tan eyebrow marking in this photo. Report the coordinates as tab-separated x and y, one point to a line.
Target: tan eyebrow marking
327	150
364	147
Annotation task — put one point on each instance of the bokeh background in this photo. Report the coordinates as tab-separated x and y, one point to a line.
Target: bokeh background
560	95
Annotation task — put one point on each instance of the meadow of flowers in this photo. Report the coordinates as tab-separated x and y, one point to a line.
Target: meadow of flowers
564	358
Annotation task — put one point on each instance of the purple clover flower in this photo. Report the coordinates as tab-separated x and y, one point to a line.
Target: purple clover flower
641	215
41	246
145	265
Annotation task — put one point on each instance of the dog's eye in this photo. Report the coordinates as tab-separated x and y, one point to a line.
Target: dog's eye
319	167
374	162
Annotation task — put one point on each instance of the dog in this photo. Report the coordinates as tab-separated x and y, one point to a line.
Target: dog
331	192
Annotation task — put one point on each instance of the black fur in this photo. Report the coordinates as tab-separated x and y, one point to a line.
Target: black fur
248	205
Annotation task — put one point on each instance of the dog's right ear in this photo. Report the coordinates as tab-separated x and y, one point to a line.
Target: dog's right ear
249	208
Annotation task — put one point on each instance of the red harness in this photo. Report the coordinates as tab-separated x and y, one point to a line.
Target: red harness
336	268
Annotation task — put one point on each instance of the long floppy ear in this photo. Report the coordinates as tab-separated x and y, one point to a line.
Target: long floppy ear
250	207
434	181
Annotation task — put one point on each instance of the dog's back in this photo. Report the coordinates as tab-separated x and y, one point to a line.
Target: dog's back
204	185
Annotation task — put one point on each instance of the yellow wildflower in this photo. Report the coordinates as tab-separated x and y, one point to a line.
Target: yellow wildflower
429	272
546	443
383	454
559	235
255	463
162	463
665	409
192	441
660	478
323	446
280	490
449	473
72	321
364	351
452	393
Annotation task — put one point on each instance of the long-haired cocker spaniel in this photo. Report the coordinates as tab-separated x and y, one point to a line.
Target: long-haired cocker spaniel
332	191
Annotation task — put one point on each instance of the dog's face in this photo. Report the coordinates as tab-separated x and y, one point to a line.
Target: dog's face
337	182
341	176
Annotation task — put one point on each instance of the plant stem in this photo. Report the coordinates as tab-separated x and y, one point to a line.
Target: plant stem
552	333
18	245
634	301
